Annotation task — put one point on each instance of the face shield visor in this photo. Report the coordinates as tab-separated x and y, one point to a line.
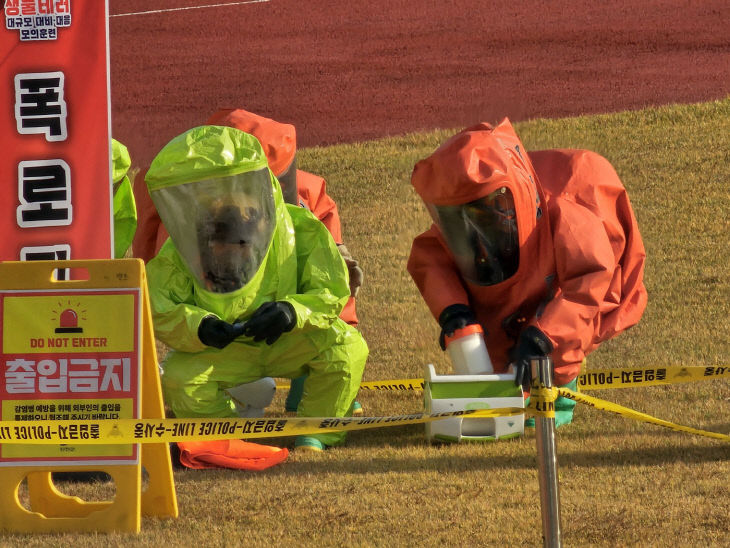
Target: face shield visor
221	226
482	236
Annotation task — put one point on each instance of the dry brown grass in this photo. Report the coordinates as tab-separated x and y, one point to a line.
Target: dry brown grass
622	482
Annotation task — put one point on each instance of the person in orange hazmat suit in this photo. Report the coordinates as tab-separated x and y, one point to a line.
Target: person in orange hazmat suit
542	249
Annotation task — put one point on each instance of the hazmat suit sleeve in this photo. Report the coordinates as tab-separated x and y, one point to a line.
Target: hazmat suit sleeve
323	284
585	264
124	209
435	274
125	217
313	192
175	317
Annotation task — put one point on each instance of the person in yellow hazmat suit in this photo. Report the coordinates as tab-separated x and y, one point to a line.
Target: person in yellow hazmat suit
279	141
125	210
247	286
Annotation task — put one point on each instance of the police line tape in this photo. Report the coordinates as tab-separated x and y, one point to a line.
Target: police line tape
592	380
636	415
126	431
542	404
650	376
393	385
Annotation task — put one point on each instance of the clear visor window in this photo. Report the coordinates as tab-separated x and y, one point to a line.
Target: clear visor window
222	227
482	236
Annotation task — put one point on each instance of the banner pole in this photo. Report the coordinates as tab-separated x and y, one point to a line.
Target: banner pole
547	460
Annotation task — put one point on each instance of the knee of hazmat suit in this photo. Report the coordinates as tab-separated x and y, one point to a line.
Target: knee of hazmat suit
523	255
125	210
235	246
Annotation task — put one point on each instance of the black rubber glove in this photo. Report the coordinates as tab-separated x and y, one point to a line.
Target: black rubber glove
270	321
453	317
217	333
532	343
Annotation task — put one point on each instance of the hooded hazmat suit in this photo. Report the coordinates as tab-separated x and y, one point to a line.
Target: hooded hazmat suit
279	142
125	210
295	262
576	272
308	190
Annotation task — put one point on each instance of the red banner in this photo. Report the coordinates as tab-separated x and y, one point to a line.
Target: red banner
55	179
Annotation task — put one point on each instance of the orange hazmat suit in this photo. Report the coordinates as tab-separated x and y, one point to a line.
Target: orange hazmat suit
581	258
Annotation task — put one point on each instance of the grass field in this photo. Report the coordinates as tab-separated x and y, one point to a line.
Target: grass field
622	482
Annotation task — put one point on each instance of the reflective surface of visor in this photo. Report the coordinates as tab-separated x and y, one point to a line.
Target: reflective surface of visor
222	227
482	236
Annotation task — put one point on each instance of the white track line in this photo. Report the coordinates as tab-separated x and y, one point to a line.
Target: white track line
190	8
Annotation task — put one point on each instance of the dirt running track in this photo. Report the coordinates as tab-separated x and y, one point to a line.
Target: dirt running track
345	71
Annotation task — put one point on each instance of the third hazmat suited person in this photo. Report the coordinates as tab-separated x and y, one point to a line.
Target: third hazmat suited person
247	286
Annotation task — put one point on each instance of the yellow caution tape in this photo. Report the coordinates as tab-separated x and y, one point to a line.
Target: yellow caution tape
401	384
652	376
124	431
127	431
636	415
599	379
542	401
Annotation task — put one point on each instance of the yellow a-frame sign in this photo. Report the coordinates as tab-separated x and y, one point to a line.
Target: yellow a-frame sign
78	349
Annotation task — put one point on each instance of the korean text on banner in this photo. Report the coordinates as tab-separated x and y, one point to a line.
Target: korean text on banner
66	356
55	131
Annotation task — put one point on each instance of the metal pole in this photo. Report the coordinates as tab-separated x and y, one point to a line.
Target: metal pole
547	461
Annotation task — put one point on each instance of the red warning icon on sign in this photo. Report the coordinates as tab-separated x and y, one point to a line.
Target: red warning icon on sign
68	322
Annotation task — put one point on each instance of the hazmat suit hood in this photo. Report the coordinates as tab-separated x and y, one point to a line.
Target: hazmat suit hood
483	195
222	207
278	140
